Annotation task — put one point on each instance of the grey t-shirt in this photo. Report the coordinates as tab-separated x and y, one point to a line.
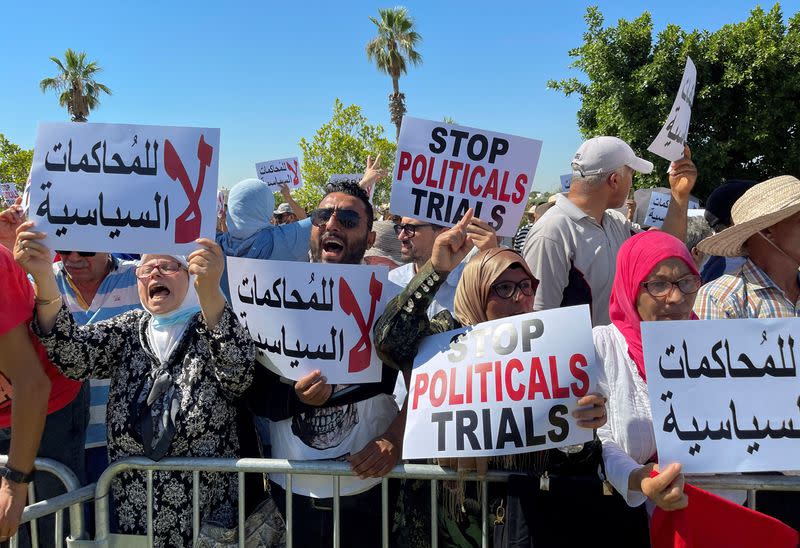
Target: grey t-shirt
574	257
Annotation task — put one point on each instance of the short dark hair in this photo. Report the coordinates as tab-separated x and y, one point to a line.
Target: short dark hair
352	189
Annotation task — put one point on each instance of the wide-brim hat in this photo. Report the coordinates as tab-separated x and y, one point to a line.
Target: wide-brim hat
762	206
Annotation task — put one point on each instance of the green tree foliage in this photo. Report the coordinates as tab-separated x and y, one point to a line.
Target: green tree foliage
79	90
342	145
15	163
746	110
391	51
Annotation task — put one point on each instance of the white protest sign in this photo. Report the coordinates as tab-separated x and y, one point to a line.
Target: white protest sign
566	182
670	140
658	206
441	170
285	171
501	387
308	316
8	193
353	178
220	204
124	188
725	394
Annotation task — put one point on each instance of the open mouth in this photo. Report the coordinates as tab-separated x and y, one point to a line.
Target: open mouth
158	291
332	246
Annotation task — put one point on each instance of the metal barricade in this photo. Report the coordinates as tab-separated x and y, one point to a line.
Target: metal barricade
72	499
338	469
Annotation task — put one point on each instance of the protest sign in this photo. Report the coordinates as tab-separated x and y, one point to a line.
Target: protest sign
566	182
8	193
124	188
670	140
354	178
308	316
658	206
285	171
724	394
441	170
220	204
501	387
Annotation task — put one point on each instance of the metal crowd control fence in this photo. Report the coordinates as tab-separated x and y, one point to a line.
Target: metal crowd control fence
72	499
337	469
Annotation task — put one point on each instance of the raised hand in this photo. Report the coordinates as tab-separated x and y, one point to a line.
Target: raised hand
32	255
451	246
683	174
373	173
483	236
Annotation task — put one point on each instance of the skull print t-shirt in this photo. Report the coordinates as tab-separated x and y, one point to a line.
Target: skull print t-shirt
330	433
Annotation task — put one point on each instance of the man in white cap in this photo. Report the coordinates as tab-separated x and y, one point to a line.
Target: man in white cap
766	230
572	249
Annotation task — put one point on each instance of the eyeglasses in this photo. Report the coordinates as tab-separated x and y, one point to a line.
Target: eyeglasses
409	229
507	290
662	288
348	218
168	268
81	253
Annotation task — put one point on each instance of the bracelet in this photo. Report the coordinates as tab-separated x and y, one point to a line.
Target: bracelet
45	302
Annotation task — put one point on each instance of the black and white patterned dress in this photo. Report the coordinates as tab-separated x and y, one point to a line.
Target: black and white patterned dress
209	369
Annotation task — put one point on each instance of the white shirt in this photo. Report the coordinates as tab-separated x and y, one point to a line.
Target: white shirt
628	437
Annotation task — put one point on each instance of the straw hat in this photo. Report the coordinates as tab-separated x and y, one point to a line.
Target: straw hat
762	206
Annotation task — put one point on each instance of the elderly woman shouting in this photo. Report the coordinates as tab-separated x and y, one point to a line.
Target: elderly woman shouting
175	368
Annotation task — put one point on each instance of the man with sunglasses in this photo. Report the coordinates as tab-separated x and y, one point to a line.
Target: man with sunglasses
312	420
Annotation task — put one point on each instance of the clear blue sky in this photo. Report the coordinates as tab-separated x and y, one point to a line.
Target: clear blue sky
267	73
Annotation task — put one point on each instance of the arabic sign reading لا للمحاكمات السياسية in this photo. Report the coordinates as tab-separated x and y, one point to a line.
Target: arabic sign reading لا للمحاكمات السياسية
309	316
724	395
442	170
658	207
283	172
124	188
501	387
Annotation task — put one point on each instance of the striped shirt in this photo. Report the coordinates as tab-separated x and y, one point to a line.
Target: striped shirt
747	293
117	294
520	236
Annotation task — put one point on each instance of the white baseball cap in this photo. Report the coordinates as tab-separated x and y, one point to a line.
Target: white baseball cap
605	154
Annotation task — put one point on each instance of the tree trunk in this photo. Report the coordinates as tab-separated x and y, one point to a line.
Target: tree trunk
397	106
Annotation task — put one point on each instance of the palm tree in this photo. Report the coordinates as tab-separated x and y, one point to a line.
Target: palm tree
391	50
79	90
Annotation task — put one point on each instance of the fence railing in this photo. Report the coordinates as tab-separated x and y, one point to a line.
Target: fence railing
338	469
72	499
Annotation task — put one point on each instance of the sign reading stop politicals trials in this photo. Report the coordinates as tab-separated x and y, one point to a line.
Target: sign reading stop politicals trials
308	316
124	188
502	387
725	396
441	170
670	140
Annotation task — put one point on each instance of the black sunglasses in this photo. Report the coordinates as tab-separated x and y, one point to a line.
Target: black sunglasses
81	253
348	218
410	229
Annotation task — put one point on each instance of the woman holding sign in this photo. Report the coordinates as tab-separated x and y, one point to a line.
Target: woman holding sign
496	283
175	369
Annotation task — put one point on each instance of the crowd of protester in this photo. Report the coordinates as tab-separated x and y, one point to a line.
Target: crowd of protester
147	358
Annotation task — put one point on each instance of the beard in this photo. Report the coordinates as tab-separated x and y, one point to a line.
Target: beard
353	252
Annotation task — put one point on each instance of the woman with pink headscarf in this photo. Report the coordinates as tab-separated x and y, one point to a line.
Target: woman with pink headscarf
656	280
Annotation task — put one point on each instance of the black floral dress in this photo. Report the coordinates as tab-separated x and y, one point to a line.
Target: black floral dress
208	370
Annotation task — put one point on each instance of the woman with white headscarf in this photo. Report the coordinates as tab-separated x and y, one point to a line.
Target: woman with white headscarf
175	369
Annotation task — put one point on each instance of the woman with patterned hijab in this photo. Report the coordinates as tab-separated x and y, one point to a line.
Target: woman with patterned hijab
175	368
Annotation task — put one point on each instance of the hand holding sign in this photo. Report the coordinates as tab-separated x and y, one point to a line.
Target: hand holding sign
451	246
31	254
683	174
207	264
593	411
10	219
481	234
313	389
